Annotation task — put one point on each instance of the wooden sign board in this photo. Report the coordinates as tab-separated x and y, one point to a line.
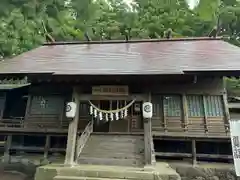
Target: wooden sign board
110	90
235	141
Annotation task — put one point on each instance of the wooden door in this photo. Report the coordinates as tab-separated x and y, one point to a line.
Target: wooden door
101	125
120	125
136	119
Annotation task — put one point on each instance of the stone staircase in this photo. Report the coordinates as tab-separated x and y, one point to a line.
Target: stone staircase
100	172
120	150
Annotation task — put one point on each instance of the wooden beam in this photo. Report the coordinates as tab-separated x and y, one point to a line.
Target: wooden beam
27	111
189	155
194	152
205	114
62	114
138	97
6	157
164	116
72	134
47	146
4	105
147	138
185	112
226	110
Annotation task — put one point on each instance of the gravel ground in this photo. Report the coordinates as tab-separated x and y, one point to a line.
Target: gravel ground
11	175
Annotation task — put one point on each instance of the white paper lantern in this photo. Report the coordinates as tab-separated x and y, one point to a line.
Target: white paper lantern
147	110
106	116
71	109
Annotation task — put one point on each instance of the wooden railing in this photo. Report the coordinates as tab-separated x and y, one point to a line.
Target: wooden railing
81	141
13	122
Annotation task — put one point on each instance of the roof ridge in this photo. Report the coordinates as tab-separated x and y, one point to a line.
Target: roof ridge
133	41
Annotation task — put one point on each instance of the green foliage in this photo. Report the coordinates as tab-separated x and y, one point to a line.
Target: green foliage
233	86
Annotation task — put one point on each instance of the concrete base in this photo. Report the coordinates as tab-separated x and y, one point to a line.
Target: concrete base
6	158
95	172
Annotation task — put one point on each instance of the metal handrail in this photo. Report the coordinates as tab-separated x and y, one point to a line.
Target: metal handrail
82	140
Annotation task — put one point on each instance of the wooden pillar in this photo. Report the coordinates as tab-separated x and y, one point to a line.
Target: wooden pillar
3	105
72	134
164	115
185	112
47	146
194	152
6	157
29	102
226	111
147	138
147	145
22	144
205	114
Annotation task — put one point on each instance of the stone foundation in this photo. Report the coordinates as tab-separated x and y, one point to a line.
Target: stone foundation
206	171
59	172
26	167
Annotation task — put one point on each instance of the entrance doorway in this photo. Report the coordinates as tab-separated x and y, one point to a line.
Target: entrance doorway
101	125
133	122
121	125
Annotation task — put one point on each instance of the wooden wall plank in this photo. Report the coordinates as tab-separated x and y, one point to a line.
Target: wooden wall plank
194	152
29	102
164	117
210	86
185	112
47	146
226	111
205	114
6	157
3	104
72	134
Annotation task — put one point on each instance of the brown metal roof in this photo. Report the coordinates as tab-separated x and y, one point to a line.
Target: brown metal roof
137	57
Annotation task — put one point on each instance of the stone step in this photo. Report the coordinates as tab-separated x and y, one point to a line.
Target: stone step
113	150
115	144
103	143
112	154
82	178
137	158
110	161
111	172
96	148
115	139
112	136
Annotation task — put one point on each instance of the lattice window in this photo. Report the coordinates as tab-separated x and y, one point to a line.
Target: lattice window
214	106
172	105
195	106
157	105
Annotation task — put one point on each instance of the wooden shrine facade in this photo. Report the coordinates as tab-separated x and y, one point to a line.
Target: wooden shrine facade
183	78
193	106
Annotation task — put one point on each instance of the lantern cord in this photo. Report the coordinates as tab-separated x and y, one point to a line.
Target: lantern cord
112	111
